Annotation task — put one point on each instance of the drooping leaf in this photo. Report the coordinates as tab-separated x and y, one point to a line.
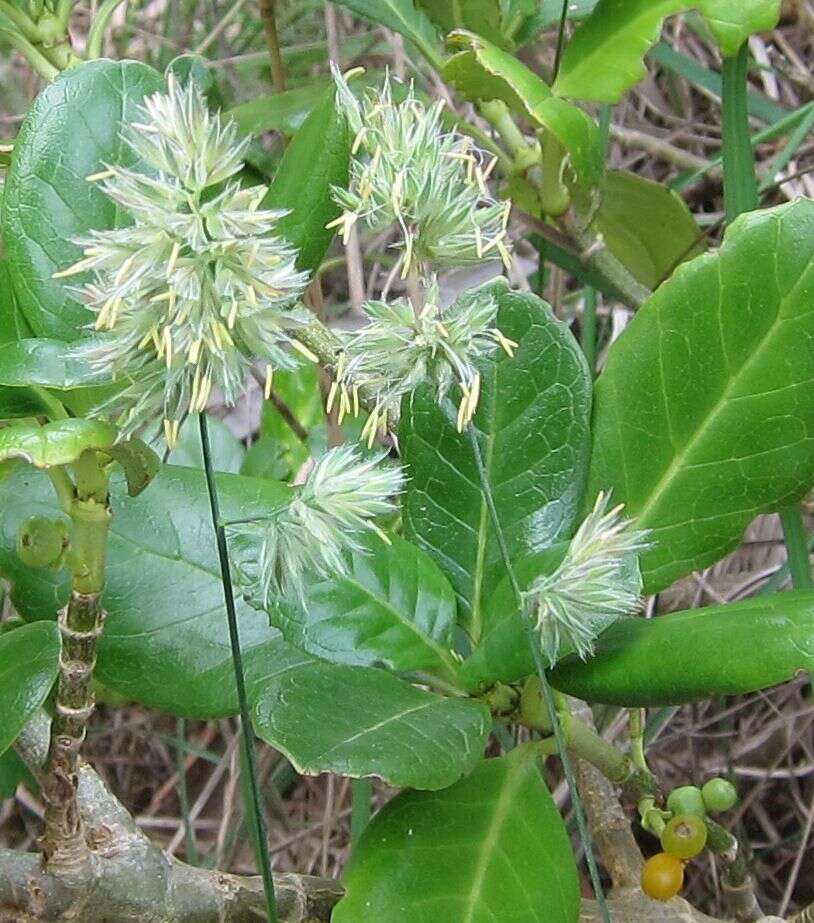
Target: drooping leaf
483	71
703	414
491	848
29	664
401	16
605	58
393	607
361	721
532	426
733	21
47	363
57	443
316	159
481	16
69	133
647	226
283	112
166	642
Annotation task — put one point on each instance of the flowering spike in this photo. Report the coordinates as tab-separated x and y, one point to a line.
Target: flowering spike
312	533
597	582
197	286
407	169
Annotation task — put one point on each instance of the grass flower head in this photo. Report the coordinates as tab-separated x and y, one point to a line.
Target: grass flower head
197	286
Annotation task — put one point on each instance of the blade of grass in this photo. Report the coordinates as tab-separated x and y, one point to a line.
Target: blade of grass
740	180
183	793
548	694
254	807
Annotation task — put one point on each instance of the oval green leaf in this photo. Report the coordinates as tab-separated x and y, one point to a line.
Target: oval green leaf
490	849
532	425
360	721
648	227
317	158
703	414
699	654
166	641
69	132
393	607
29	664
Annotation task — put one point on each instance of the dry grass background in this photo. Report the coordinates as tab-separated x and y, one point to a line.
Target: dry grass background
765	740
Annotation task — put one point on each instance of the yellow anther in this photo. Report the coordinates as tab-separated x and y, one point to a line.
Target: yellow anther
251	295
268	382
332	392
489	168
194	351
103	174
174	254
356	400
382	535
358	140
232	315
494	242
505	255
442	329
74	270
301	348
123	270
168	346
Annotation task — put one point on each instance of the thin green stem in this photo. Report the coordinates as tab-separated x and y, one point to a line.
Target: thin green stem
38	62
247	739
548	695
361	805
64	8
24	23
560	39
96	36
797	553
740	181
183	792
63	486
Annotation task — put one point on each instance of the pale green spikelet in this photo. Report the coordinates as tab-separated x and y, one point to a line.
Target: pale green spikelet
198	286
597	582
408	170
312	534
400	348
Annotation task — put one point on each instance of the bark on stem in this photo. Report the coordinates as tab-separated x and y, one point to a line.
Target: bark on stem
64	845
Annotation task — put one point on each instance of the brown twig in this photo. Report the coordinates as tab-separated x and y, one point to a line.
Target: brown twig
269	17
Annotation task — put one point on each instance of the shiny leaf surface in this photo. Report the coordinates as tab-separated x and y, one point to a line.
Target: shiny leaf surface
44	362
29	663
316	159
58	443
704	414
394	607
491	848
361	721
166	642
532	425
69	133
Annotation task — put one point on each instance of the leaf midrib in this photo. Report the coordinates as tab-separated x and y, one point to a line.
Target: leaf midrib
680	458
503	806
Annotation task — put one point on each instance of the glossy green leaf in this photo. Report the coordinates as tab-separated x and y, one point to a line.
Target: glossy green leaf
647	226
698	654
166	642
29	663
532	425
47	363
361	721
283	112
69	132
393	607
13	772
401	16
491	848
13	326
733	21
481	16
317	158
704	414
483	71
57	443
605	58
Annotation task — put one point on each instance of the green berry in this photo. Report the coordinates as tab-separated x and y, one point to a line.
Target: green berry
686	800
684	836
42	541
719	795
